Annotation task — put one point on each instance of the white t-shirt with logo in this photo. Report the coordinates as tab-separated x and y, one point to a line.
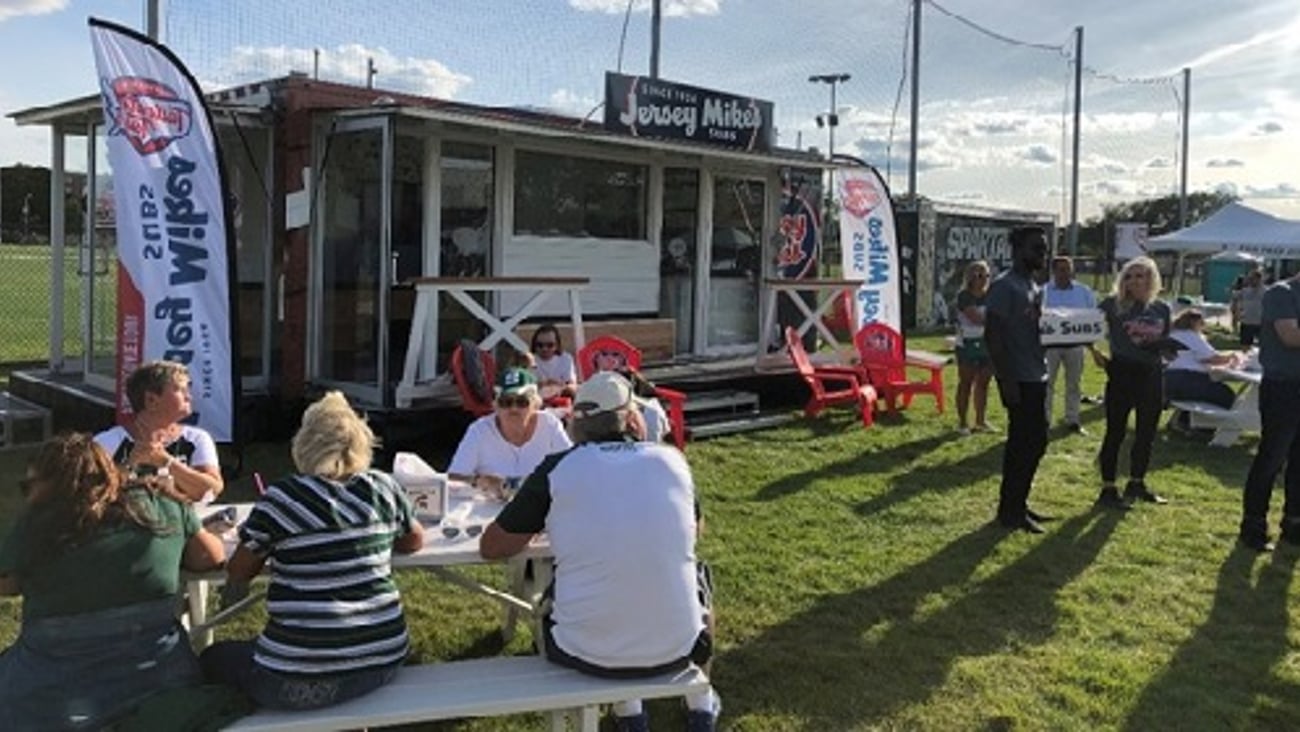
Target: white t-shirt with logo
620	517
559	367
193	446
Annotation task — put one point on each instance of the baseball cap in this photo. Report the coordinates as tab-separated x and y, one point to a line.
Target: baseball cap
605	391
514	381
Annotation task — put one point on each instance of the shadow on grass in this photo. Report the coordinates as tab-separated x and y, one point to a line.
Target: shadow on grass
856	658
1217	677
866	463
934	480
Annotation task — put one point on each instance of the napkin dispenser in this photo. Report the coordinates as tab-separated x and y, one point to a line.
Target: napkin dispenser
426	487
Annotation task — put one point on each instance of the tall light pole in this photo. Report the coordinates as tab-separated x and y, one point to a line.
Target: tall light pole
831	119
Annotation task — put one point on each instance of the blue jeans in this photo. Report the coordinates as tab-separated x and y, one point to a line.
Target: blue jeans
1279	443
84	671
231	663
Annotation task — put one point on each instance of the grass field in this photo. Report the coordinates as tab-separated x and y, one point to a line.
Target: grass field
25	304
860	586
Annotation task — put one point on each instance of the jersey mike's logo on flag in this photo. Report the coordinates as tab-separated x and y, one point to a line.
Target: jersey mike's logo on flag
148	113
858	197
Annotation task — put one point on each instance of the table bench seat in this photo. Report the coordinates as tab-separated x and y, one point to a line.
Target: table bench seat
1227	423
480	687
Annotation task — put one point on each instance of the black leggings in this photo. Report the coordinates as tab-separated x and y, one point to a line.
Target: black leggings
1130	386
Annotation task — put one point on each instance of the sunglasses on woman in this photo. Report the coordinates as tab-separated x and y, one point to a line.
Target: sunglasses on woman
513	402
545	345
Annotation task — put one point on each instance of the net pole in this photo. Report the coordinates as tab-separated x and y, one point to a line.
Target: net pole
1078	116
656	20
1182	184
916	98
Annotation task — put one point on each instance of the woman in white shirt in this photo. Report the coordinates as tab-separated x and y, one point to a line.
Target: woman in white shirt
507	445
1187	377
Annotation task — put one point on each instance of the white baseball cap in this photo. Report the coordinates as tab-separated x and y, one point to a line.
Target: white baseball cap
605	391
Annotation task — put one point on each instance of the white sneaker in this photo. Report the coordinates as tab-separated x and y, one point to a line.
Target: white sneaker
963	431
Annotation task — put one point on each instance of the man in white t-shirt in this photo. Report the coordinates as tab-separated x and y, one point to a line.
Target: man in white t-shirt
629	599
1063	291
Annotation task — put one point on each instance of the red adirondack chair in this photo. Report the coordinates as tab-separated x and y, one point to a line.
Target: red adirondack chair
476	398
882	360
850	390
611	353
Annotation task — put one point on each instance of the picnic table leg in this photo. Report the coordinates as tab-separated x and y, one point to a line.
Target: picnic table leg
589	719
197	597
515	580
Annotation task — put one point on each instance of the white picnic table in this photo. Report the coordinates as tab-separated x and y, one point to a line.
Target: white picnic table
441	555
1242	416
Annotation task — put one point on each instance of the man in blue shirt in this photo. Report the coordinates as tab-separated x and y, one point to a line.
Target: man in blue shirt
1012	310
1279	404
1062	291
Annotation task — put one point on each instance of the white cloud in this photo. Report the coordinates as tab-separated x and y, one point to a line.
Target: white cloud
1159	162
671	8
1281	190
1268	128
1038	154
347	62
15	8
571	102
1225	163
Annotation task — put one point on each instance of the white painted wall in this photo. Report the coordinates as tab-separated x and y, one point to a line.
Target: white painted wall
624	274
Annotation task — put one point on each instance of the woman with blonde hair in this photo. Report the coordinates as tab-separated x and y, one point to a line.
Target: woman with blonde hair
974	367
1138	325
335	628
97	563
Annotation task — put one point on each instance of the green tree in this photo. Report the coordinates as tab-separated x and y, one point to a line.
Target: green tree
1160	215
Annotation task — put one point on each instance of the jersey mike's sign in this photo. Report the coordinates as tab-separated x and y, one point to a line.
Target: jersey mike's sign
644	107
1071	326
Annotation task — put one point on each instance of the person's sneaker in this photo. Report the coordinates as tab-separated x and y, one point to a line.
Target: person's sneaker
985	427
1041	518
635	723
1255	542
1136	490
1110	498
1076	428
963	431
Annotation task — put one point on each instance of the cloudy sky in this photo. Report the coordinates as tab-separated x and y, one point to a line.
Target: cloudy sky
994	111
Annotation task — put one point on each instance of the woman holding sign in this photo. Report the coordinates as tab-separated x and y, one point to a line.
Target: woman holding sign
1138	327
974	368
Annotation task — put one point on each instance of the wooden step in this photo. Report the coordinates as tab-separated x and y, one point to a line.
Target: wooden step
713	428
730	401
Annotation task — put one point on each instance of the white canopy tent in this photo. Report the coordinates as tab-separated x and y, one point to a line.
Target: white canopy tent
1234	228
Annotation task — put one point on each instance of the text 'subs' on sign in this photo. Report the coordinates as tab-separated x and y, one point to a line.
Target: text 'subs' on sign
643	107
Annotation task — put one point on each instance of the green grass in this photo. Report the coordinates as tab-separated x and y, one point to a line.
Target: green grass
25	303
859	586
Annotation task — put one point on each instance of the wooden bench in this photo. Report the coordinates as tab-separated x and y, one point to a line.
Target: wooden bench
655	337
480	687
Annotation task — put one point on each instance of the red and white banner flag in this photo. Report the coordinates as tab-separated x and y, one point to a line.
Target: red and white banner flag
173	236
869	245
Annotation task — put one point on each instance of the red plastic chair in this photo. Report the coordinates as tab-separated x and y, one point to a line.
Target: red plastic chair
882	359
611	353
470	396
819	379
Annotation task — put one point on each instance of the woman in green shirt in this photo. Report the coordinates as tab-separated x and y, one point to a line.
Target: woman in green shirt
97	564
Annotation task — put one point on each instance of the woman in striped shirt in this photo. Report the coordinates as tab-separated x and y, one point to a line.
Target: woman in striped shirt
335	628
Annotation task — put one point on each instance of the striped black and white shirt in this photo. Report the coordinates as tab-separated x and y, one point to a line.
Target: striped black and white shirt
332	604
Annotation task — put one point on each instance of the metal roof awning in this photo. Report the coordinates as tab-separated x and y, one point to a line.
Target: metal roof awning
77	114
586	134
